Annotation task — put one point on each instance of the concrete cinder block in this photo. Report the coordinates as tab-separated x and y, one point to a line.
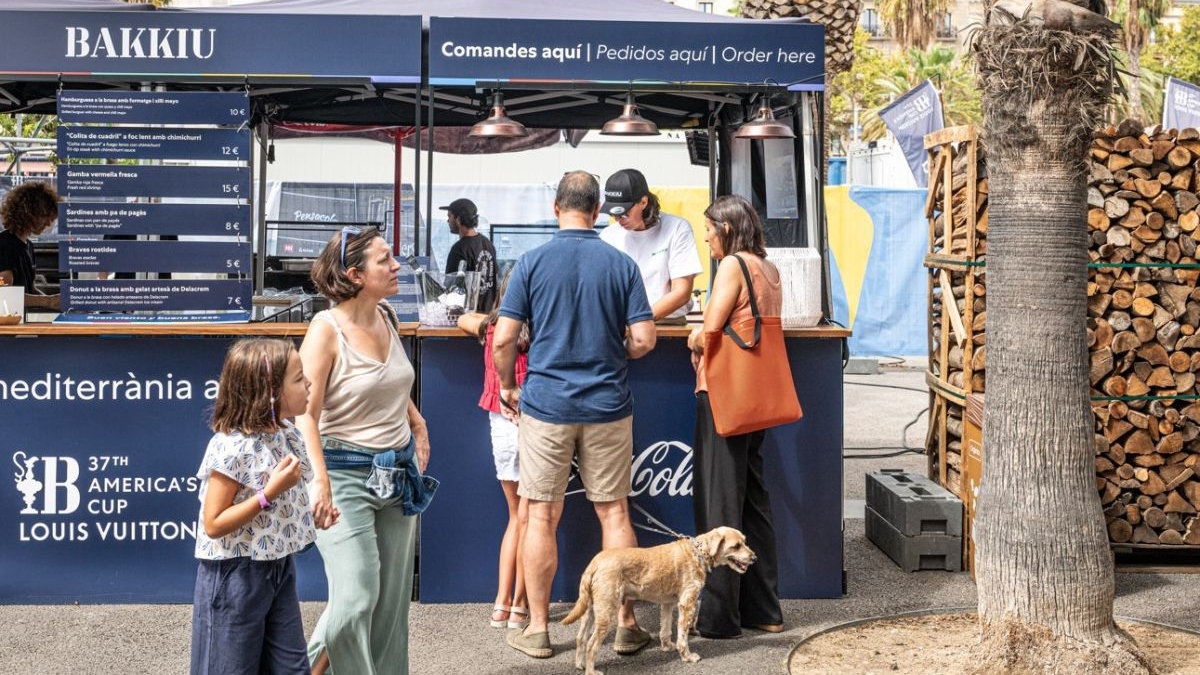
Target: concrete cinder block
861	365
913	504
923	552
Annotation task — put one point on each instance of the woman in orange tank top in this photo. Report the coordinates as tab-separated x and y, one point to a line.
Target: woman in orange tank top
728	484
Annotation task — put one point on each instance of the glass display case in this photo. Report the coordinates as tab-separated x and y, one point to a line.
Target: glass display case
513	240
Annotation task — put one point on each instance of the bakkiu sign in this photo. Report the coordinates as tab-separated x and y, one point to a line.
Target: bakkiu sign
208	46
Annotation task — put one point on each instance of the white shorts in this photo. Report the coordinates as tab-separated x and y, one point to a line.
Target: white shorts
504	447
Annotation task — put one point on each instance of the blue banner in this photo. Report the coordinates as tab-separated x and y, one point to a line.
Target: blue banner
468	50
99	502
124	295
152	107
230	145
232	257
1181	105
912	117
209	46
83	181
227	220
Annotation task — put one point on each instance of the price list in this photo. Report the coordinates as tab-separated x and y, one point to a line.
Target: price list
156	185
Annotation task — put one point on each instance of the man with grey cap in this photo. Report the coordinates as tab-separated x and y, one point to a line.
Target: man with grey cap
473	248
662	245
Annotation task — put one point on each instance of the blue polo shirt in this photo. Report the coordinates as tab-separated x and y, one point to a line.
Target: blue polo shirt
578	295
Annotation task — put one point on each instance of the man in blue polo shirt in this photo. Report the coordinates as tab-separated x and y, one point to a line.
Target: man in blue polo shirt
579	296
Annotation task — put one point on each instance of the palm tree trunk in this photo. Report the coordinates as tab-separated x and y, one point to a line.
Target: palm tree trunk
1044	571
1136	110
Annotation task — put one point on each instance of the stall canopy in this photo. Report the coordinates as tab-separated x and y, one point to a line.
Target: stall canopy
567	64
559	64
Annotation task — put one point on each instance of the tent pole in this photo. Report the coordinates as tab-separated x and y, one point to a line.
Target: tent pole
397	187
429	183
417	174
260	209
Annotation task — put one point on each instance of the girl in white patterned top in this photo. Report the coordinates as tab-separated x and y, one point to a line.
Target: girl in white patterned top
254	515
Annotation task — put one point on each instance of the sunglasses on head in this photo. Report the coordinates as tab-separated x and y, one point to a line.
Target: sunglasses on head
347	232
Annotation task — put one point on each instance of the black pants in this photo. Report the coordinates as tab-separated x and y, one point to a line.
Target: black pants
728	489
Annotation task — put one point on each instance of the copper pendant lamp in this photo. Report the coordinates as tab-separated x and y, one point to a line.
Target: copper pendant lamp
630	122
498	124
764	126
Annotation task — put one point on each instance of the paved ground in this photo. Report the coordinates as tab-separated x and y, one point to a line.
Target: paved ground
80	640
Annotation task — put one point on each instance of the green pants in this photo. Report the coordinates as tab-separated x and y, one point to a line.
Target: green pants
369	565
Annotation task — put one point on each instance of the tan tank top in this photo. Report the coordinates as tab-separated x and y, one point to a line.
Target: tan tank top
768	292
366	402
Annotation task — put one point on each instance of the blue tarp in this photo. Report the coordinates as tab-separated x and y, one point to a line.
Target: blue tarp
892	311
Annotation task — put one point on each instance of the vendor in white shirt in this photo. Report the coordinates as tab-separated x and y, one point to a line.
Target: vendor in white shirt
662	244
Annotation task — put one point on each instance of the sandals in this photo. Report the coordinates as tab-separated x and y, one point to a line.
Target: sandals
518	617
502	612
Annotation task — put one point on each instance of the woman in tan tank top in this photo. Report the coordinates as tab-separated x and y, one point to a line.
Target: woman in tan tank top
359	408
728	487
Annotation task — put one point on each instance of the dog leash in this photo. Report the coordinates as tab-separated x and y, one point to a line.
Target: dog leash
661	527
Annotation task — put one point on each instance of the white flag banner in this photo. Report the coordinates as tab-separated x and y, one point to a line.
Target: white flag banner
1181	105
910	119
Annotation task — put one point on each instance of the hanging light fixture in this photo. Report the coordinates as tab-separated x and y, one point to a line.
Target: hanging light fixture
630	122
498	124
764	125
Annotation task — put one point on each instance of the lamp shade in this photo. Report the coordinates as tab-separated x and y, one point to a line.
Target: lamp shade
499	123
765	126
630	122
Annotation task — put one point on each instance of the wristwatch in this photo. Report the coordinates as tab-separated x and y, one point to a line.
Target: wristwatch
262	499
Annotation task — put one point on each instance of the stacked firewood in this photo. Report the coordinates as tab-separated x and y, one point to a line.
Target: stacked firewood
1143	316
839	19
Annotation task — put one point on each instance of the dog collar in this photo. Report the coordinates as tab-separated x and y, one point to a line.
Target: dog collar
700	557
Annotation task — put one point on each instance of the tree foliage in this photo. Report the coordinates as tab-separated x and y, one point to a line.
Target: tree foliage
1138	18
913	23
860	87
1177	52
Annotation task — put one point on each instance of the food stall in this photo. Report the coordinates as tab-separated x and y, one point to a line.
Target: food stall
109	418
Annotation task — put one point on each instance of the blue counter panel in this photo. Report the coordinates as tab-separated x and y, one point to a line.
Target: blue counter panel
103	436
460	535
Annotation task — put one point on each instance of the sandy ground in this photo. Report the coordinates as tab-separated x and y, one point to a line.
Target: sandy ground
935	644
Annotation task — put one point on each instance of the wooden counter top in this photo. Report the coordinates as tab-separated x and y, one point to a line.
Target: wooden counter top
819	332
298	330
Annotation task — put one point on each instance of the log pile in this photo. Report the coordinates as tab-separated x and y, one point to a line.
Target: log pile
1143	321
957	211
840	19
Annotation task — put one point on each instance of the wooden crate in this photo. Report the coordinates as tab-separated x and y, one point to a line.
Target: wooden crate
956	209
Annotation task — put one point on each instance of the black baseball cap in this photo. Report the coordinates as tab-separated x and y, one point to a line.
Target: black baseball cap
622	190
463	208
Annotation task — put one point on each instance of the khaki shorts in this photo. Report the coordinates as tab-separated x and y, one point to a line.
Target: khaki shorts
605	453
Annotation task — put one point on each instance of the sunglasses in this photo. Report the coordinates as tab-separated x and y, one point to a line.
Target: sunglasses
347	232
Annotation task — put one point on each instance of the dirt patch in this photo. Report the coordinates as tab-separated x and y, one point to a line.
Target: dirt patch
936	643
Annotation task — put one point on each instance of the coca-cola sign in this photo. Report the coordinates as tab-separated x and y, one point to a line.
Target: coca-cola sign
663	467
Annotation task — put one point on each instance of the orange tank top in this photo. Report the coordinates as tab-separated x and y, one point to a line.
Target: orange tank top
768	292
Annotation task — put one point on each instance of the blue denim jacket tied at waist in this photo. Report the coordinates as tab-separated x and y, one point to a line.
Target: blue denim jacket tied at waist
394	474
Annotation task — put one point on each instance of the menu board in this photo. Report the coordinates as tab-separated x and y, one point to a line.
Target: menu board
156	189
